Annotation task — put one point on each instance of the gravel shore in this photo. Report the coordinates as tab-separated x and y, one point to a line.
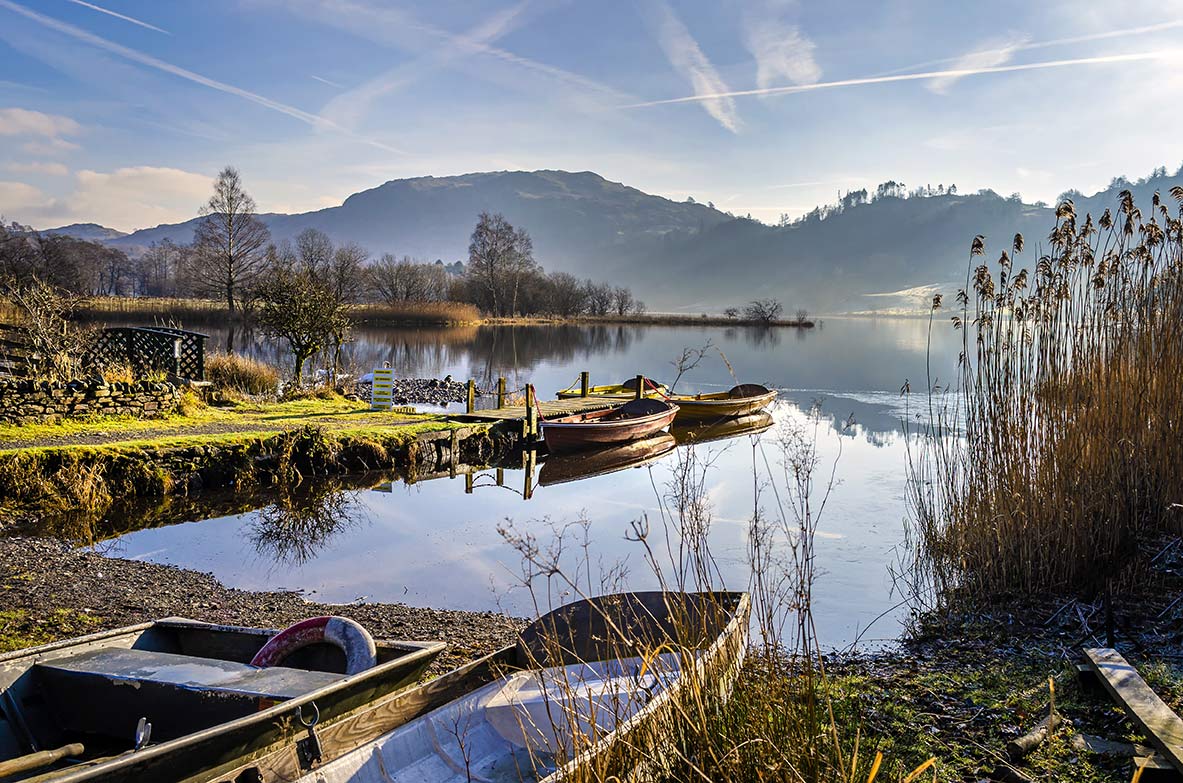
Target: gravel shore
48	581
421	391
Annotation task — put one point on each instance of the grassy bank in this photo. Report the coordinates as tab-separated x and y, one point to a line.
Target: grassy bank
83	466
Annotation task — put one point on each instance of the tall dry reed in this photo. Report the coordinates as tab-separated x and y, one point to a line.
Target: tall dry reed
1060	449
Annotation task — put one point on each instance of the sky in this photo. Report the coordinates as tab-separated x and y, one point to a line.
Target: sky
121	112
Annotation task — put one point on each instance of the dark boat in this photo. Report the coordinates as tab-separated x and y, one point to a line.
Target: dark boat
164	700
561	468
706	432
620	424
611	677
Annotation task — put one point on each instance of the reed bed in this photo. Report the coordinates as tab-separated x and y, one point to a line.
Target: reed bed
775	718
238	373
1058	452
415	313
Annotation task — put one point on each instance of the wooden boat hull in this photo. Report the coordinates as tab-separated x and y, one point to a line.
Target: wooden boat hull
629	422
562	468
105	712
711	628
740	401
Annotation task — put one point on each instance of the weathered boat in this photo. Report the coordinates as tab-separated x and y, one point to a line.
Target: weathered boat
622	391
601	684
722	429
633	420
738	401
166	700
561	468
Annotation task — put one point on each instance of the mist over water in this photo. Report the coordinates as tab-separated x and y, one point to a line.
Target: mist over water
432	544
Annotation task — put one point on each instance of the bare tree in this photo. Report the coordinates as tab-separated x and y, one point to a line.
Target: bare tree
229	242
599	298
391	280
568	296
622	301
314	250
763	311
499	256
56	343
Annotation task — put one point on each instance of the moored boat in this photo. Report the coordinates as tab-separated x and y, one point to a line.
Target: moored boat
599	684
561	468
620	424
169	699
622	391
740	400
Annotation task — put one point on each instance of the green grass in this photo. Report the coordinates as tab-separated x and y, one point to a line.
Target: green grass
20	629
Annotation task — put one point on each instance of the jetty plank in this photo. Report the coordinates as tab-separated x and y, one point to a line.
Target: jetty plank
1163	727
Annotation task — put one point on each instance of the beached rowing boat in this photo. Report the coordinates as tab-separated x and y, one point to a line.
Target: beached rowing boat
601	684
631	421
166	700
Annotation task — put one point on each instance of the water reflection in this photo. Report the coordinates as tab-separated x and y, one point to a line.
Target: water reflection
434	543
302	521
561	468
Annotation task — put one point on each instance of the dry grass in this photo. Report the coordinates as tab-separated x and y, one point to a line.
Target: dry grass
415	313
237	373
1060	450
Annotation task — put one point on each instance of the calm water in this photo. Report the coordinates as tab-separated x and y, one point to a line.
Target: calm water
433	544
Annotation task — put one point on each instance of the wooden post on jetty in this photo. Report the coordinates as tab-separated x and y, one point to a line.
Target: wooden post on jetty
584	383
640	386
468	478
531	425
500	392
470	405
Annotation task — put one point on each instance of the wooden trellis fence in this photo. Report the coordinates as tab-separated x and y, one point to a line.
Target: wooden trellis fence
148	349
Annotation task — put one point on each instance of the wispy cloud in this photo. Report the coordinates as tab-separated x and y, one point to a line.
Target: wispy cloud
183	73
998	53
1022	46
117	15
908	77
52	169
688	59
351	107
781	50
322	80
26	122
390	26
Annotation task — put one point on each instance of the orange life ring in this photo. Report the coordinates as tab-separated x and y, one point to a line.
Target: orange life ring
354	640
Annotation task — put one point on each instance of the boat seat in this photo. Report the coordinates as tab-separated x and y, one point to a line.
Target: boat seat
107	690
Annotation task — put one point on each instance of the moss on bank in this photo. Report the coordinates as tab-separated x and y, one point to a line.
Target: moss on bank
20	628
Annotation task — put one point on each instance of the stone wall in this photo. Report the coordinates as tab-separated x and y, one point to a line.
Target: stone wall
31	402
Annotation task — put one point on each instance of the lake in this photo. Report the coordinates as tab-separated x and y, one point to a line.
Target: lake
434	544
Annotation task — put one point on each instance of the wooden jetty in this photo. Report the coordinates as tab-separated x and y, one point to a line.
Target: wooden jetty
1163	727
535	410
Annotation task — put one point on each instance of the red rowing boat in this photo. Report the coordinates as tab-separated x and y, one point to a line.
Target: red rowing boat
621	424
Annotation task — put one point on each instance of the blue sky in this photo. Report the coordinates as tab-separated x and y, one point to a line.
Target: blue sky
121	111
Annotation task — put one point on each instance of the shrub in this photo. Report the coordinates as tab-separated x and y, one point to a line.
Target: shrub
234	372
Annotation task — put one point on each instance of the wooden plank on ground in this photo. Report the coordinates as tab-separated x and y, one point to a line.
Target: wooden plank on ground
1163	727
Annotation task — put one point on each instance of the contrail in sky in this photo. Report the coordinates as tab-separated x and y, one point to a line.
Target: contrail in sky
109	12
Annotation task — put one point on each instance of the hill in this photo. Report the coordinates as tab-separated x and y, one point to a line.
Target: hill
886	252
91	232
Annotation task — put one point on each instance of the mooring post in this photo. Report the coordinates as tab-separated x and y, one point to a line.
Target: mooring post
531	413
584	383
500	392
467	483
471	404
500	474
640	386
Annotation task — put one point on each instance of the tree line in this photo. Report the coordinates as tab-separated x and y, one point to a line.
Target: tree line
232	258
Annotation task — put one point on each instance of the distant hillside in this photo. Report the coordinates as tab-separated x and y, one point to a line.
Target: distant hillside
91	232
886	255
576	219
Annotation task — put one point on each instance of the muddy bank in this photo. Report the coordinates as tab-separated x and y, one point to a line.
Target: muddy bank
49	590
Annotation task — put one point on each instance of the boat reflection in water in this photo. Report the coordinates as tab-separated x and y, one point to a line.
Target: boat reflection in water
561	468
705	432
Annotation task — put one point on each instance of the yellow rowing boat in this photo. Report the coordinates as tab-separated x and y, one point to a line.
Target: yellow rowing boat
620	391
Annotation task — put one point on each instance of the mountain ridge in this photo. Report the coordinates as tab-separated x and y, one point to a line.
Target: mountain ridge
686	255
